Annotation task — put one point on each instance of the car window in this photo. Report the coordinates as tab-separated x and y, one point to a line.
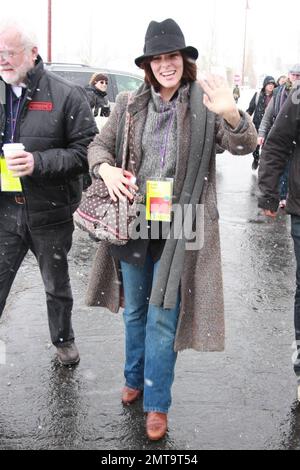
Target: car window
81	78
127	82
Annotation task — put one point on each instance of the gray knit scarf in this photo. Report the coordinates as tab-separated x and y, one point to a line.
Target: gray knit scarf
165	290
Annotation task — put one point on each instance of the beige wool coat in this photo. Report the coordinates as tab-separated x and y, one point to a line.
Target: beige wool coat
201	320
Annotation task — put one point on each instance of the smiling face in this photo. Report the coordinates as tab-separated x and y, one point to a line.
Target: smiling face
168	71
16	58
101	85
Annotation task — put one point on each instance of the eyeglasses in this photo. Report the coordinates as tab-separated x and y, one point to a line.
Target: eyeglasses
102	82
4	55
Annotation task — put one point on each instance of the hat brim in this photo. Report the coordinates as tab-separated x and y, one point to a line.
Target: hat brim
190	51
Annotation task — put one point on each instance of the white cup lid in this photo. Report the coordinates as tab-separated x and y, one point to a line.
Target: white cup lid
13	146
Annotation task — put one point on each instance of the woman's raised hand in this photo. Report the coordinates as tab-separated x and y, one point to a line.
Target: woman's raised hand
219	99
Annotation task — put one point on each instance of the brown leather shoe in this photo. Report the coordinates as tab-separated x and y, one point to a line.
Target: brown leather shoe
156	425
130	395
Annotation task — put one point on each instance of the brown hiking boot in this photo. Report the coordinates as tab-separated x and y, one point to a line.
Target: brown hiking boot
68	354
130	395
156	425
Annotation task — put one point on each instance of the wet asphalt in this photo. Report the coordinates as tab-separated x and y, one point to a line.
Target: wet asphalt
243	398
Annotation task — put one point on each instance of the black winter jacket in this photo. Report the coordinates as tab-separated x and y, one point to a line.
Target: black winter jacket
283	144
98	101
258	106
56	125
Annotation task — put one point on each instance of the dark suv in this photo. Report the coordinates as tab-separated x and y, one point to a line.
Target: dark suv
81	74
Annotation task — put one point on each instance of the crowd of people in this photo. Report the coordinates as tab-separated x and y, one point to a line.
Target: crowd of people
264	108
173	297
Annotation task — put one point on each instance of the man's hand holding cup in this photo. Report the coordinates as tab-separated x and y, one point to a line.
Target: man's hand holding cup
21	163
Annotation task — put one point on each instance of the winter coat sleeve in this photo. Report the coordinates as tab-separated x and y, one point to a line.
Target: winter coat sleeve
239	141
267	120
277	151
80	128
90	96
252	105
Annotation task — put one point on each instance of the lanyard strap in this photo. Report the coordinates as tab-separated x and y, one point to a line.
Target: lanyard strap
14	116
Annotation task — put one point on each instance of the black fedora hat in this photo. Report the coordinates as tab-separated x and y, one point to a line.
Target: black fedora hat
165	37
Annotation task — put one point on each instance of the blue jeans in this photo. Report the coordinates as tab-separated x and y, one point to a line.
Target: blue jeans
296	238
150	334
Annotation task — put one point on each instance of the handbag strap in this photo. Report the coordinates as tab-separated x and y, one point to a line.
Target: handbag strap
126	133
124	140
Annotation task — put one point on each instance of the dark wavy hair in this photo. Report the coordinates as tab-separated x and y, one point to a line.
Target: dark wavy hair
97	77
189	71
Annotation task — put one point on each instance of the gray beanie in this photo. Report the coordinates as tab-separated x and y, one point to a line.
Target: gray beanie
295	69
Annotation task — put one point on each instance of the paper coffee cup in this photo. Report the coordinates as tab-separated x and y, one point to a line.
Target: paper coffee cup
11	149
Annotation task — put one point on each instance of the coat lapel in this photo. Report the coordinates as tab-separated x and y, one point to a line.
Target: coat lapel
138	111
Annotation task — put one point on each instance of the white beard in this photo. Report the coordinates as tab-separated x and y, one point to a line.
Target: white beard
15	77
12	78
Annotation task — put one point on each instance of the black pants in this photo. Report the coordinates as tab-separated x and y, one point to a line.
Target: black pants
50	246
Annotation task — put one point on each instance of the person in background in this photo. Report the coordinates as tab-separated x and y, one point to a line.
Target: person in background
236	93
278	99
97	95
52	119
282	145
173	294
257	107
281	80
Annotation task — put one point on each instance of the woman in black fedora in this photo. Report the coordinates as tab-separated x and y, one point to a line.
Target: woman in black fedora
172	284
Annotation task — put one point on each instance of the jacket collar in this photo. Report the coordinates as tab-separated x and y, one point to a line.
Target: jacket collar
141	99
34	75
99	92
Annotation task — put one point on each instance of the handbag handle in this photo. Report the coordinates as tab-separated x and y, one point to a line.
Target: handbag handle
128	139
126	136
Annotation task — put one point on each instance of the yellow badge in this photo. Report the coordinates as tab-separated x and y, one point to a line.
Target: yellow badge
159	200
9	182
